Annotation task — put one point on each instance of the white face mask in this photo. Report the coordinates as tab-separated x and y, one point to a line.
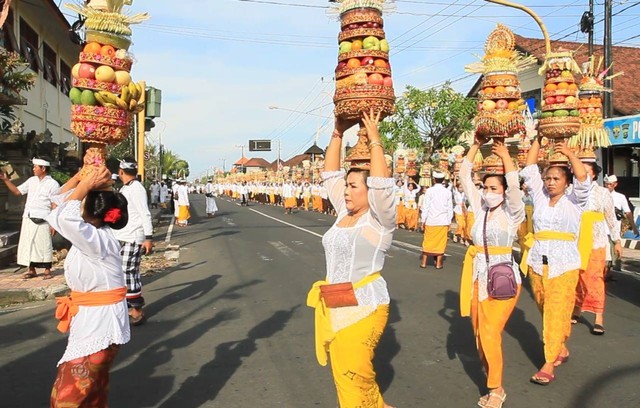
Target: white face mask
492	199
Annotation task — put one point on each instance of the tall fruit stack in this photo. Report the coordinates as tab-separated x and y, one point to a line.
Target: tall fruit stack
500	106
363	74
560	115
104	98
592	133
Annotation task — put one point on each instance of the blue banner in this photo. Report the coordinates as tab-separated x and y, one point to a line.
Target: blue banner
624	130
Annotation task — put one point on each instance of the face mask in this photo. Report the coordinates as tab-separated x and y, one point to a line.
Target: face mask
492	199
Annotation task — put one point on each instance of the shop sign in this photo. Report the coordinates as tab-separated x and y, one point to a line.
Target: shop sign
624	130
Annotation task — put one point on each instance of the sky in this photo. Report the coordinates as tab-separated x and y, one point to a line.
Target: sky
231	71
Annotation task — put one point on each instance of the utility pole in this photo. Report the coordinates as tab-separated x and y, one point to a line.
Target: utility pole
241	157
591	28
608	57
224	166
142	115
278	167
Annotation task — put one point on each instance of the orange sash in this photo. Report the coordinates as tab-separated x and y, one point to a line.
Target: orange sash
67	306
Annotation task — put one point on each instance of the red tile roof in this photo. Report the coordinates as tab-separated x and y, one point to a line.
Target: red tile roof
258	162
626	92
296	161
241	161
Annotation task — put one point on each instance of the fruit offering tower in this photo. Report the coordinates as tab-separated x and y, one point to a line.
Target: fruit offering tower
104	98
592	133
559	119
363	74
500	105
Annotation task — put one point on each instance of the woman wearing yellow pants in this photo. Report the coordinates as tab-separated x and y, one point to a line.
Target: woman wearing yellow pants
349	327
501	204
551	254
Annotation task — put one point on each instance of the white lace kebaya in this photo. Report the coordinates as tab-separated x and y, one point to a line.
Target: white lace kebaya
358	251
502	227
93	264
563	256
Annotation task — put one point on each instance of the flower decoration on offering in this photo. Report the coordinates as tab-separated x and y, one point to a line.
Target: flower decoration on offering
500	104
524	141
478	161
443	163
592	133
425	174
412	156
400	161
363	73
457	153
104	98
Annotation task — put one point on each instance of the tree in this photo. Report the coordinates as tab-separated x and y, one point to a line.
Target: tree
429	120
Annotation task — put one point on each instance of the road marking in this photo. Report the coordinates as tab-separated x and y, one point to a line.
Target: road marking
263	257
285	250
228	221
170	229
286	223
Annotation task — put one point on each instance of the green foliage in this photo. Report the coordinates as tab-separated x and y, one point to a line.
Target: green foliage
14	78
429	120
60	176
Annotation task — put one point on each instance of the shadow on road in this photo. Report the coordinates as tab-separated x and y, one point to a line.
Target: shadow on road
213	375
527	336
625	287
388	348
461	341
603	384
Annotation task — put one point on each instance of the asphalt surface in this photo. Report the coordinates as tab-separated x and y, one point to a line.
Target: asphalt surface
228	327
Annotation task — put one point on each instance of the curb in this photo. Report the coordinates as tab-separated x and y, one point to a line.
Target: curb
14	296
630	243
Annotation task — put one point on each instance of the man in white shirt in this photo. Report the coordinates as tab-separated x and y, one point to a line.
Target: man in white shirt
35	249
210	202
164	193
622	210
135	238
182	199
288	197
437	212
154	189
243	190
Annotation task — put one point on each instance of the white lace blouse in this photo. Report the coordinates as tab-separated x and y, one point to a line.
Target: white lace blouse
563	256
355	252
502	226
93	264
600	200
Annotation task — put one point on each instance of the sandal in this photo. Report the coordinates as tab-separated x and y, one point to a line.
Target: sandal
497	402
542	378
29	275
483	400
560	360
47	276
137	320
598	330
575	319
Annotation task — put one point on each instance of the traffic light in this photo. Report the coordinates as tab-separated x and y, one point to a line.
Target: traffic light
148	124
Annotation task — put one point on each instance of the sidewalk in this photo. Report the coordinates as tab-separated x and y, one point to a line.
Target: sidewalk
14	289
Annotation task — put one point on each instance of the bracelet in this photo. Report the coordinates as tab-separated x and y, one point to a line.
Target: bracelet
374	144
336	133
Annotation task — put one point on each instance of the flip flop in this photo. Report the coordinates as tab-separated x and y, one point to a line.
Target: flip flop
29	275
560	360
501	399
575	319
598	330
540	377
47	276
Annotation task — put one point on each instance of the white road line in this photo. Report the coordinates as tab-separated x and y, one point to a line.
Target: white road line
170	229
285	250
286	223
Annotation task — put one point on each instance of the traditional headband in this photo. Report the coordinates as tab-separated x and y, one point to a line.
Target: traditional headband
113	215
40	162
124	165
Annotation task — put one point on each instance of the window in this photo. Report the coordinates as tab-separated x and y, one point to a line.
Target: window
50	64
533	97
29	46
8	37
65	78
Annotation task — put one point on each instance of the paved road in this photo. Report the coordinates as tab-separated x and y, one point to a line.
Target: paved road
229	328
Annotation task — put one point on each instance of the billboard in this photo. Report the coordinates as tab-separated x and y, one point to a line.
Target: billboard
624	130
259	145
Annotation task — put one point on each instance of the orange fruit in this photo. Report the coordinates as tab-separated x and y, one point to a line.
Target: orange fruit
356	45
380	63
107	51
573	87
550	87
353	63
92	47
563	85
488	90
500	89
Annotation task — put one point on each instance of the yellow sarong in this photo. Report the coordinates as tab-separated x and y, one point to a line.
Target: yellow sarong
183	213
585	239
461	222
435	239
324	331
530	239
466	282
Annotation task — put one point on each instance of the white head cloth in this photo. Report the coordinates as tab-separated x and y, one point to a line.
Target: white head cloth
40	162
